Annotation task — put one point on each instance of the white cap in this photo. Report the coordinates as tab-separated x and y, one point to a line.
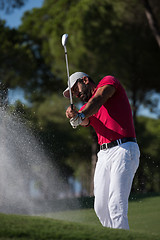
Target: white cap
73	79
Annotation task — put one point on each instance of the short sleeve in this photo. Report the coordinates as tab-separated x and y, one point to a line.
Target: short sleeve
109	80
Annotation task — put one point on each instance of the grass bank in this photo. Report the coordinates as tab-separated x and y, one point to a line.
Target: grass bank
144	220
26	227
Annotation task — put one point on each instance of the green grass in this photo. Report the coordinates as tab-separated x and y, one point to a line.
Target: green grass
144	221
144	215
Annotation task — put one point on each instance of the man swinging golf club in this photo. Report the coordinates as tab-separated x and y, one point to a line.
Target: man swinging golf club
108	111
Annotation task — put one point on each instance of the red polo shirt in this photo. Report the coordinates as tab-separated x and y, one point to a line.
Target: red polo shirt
114	119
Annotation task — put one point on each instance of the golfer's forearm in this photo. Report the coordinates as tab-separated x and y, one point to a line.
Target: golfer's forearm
102	95
92	107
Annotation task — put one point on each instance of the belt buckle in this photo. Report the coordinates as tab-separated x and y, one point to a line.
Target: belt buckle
104	146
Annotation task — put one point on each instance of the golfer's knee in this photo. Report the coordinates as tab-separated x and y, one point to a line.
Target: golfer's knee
117	209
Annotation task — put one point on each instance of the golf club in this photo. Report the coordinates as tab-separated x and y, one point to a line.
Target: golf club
64	42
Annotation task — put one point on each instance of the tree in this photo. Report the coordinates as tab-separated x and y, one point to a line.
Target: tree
98	43
13	60
22	65
152	20
9	5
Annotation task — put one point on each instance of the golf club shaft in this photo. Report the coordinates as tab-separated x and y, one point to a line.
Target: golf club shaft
69	85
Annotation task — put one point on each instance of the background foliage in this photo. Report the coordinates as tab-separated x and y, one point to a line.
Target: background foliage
105	38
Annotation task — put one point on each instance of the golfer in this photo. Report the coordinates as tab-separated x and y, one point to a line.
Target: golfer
108	111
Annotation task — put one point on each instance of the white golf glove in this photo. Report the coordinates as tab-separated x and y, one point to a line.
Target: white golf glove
77	120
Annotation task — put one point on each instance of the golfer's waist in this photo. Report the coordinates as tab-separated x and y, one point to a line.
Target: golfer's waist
117	142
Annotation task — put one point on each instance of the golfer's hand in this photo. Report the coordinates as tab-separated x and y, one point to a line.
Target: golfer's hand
76	121
71	113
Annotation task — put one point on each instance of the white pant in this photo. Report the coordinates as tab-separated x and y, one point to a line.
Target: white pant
113	178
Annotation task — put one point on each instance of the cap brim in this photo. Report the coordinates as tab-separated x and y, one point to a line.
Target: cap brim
66	93
73	79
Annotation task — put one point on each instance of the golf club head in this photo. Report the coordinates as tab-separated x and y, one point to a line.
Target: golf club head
64	39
